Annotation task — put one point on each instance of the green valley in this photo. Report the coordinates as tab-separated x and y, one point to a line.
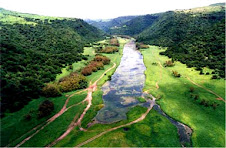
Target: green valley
150	80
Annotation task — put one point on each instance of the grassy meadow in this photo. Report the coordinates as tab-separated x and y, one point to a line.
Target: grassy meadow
175	97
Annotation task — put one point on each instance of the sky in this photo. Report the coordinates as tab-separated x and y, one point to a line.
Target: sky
100	9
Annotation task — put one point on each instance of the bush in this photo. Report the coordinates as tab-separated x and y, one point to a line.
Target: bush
192	89
169	64
45	108
176	74
27	117
214	105
214	77
51	90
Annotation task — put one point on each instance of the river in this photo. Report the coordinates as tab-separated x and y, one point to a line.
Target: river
126	83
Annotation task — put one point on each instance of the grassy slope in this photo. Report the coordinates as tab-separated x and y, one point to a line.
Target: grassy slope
208	124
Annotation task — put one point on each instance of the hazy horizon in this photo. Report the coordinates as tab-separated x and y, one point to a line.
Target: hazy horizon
100	9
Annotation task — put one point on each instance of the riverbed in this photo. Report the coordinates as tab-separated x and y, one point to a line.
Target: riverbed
126	83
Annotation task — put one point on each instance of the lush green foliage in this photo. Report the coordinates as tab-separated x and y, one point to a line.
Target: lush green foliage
33	54
195	37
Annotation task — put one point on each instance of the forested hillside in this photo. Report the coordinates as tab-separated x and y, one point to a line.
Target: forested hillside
135	26
34	49
107	25
195	37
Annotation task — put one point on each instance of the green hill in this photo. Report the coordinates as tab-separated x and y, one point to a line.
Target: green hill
195	37
135	25
34	49
106	25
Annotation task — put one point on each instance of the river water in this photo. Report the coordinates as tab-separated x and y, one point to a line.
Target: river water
126	83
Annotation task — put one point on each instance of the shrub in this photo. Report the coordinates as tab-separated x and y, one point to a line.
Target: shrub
176	74
192	89
45	108
51	90
27	117
214	105
214	77
169	64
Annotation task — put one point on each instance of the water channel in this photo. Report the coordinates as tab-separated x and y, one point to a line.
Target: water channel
127	83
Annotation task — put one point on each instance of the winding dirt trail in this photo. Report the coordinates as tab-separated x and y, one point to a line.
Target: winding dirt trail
88	99
41	126
210	91
142	117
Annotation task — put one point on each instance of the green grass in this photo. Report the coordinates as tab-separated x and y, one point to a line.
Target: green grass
207	123
56	128
140	99
76	136
13	125
153	131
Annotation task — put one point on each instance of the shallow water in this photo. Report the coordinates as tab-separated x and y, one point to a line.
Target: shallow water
126	83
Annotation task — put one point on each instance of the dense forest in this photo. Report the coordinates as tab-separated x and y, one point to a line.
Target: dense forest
35	50
195	37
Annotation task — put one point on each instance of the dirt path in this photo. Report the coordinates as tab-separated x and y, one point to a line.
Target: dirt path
88	98
142	117
43	125
212	92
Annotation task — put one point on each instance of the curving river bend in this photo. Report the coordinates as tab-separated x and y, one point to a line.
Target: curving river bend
127	83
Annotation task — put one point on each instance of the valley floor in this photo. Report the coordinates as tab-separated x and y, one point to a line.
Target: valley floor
154	130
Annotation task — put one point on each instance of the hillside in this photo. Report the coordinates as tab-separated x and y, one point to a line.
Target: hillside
34	49
107	25
135	25
195	37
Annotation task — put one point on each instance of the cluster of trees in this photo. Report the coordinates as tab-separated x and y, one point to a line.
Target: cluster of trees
110	49
114	42
141	46
69	83
32	55
96	64
197	39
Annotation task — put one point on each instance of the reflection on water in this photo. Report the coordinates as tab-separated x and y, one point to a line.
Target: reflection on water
126	83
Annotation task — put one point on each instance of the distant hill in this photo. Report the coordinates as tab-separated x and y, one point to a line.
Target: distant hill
34	49
106	25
